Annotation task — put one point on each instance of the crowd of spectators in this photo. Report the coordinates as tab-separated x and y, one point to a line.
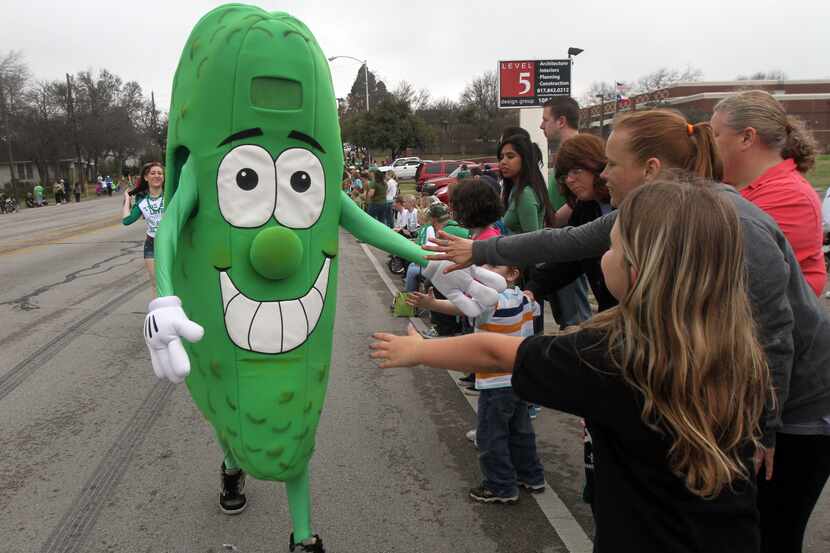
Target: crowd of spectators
723	463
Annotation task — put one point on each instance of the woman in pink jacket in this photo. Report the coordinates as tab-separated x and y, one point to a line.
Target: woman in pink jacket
765	156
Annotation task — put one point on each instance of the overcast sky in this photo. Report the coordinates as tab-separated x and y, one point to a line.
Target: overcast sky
441	46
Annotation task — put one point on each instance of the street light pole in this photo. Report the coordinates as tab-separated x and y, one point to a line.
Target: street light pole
366	73
572	53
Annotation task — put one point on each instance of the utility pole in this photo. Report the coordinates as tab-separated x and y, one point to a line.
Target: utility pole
601	115
366	66
70	109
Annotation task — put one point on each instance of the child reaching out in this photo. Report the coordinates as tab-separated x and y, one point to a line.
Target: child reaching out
671	383
504	434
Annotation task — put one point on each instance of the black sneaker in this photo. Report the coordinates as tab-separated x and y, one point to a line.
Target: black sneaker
539	488
232	499
468	379
485	495
312	545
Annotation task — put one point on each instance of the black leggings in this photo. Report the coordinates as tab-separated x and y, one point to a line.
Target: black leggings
800	469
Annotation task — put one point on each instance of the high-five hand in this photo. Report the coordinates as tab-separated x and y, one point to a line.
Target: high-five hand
397	351
451	248
471	290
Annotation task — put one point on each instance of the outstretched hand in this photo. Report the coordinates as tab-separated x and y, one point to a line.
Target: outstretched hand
396	351
417	299
451	248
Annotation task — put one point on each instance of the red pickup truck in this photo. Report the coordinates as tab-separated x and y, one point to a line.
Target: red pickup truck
430	170
442	185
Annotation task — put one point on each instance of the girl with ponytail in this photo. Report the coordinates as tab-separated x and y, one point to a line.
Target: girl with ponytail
765	154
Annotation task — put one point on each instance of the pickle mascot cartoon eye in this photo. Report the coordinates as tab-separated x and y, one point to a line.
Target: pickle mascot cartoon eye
248	246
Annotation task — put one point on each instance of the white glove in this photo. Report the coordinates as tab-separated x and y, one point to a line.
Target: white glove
164	326
471	290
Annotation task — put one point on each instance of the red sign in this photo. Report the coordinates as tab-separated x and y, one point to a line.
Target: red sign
517	79
530	83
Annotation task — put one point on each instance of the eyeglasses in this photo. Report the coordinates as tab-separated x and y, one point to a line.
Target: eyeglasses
576	171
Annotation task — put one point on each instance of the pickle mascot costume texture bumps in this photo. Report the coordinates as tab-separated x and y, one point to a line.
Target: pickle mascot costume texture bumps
247	250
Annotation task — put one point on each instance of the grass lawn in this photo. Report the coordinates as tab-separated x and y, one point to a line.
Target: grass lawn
406	187
819	177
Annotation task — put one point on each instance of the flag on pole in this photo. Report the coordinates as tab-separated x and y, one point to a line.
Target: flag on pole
622	99
621	91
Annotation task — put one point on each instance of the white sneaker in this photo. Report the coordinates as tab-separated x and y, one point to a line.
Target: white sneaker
471	435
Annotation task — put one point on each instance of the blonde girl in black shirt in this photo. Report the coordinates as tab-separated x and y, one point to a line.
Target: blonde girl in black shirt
671	383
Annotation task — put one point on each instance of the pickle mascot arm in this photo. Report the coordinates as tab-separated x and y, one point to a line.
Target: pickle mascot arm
471	290
247	250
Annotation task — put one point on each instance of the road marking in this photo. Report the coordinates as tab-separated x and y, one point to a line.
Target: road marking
74	529
554	509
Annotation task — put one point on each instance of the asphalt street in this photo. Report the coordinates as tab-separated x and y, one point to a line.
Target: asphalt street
100	456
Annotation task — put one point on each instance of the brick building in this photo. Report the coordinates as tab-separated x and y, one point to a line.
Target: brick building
807	100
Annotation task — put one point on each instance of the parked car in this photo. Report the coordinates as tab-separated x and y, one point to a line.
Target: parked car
404	167
430	170
442	184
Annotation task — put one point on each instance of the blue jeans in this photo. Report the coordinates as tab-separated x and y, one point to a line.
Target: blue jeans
378	211
569	304
413	271
506	443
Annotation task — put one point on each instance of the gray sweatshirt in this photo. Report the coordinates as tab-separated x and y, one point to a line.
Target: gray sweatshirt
793	327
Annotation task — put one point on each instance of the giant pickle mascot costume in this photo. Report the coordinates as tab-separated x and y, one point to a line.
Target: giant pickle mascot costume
248	246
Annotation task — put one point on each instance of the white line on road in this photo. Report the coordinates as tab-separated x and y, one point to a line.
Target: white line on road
554	509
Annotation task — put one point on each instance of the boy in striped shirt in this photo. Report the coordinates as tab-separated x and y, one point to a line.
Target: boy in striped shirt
504	434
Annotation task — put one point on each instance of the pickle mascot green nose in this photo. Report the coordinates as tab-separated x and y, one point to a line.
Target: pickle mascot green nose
248	246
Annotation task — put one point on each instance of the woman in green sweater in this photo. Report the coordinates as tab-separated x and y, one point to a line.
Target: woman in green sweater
524	193
526	201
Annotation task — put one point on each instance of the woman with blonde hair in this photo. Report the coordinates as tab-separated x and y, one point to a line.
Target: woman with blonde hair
793	325
671	394
765	156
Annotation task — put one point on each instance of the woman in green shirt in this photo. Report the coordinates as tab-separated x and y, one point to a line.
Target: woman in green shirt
524	193
376	196
149	203
525	197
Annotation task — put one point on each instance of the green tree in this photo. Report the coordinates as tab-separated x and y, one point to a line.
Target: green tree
389	125
356	100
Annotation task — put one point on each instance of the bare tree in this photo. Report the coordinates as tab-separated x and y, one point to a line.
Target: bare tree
665	77
417	99
771	75
44	128
597	92
479	103
14	79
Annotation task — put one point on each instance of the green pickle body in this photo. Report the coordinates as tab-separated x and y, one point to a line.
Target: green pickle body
243	68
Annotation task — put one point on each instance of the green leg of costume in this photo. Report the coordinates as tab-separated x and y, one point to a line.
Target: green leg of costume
299	505
230	461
